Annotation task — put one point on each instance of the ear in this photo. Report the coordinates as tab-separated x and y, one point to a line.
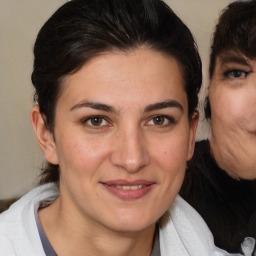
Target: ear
192	134
44	136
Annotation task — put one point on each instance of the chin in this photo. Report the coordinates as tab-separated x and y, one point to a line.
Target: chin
248	174
133	228
132	223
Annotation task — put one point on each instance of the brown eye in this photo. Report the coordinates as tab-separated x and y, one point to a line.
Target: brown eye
159	120
96	121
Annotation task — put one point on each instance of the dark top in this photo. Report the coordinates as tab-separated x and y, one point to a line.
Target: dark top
228	206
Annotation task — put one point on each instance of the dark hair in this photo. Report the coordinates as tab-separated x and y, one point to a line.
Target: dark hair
235	31
82	29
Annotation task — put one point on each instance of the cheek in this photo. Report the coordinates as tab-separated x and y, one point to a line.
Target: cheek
229	106
80	155
172	159
171	154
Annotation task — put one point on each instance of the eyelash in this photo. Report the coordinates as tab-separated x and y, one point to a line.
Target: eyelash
90	118
169	119
230	74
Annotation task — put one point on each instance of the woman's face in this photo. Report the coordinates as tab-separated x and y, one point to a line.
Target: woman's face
233	115
122	139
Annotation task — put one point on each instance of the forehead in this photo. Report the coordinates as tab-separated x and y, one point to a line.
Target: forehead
131	65
143	55
134	75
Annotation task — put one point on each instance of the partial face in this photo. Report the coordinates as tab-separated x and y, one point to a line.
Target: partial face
233	114
122	139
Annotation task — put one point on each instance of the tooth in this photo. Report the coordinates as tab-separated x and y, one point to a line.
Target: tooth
134	187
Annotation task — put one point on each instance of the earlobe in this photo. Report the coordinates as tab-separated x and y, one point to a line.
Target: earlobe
44	135
192	135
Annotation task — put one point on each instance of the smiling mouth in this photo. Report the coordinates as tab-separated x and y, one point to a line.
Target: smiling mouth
130	187
134	187
129	190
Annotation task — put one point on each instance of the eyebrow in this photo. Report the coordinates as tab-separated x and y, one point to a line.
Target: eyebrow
108	108
94	105
229	58
164	104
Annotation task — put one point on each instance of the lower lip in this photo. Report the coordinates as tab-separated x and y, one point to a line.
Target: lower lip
129	194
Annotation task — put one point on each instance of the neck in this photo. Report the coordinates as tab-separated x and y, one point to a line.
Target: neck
71	237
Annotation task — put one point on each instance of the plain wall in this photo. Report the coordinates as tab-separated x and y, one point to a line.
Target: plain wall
20	20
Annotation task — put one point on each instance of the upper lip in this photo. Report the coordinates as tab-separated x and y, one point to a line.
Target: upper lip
127	183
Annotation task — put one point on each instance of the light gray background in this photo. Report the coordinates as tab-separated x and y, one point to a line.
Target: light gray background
20	20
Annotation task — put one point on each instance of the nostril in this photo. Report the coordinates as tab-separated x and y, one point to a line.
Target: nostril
129	152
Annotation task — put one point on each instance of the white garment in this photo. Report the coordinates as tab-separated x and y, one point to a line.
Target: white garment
185	234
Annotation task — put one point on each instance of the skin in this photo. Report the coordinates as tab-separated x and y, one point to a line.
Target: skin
141	133
233	110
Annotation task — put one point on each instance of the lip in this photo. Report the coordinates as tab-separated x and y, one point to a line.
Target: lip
138	188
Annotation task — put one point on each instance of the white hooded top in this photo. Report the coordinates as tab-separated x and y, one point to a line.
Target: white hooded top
185	234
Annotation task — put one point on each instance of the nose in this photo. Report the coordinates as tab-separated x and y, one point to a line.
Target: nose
130	151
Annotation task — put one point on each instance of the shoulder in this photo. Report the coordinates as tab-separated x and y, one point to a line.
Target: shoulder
186	233
18	230
31	199
187	218
6	247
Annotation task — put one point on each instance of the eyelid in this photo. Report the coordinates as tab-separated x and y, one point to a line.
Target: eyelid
234	66
228	73
171	119
86	119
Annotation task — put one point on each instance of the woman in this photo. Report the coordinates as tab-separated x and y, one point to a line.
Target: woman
116	94
220	180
